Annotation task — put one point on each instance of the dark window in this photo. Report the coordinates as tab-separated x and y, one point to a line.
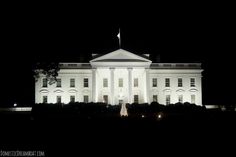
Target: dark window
167	82
86	82
86	98
105	99
135	98
72	82
45	82
192	82
72	98
155	99
136	82
154	82
45	99
58	82
105	82
167	99
58	99
180	82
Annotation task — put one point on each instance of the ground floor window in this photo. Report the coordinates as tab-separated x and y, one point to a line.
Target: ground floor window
45	99
155	98
58	99
105	99
193	97
86	98
135	98
180	98
167	99
72	98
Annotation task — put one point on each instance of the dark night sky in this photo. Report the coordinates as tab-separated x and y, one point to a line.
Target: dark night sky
197	33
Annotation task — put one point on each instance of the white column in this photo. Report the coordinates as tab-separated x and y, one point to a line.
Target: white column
112	86
94	87
130	85
147	86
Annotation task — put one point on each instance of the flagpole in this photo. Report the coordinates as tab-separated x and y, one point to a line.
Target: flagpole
119	37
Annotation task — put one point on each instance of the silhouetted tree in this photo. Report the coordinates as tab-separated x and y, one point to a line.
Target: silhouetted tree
49	69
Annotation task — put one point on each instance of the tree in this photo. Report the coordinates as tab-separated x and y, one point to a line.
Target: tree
48	69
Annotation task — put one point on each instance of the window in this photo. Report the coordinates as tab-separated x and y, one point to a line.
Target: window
86	83
180	82
72	82
105	82
155	99
58	82
120	82
167	82
192	82
154	82
86	98
181	98
135	98
105	99
193	99
72	98
58	99
136	82
45	99
45	82
120	102
167	99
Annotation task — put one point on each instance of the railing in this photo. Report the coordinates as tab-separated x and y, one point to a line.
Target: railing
176	65
75	65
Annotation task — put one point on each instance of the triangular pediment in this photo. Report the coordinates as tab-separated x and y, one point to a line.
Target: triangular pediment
120	55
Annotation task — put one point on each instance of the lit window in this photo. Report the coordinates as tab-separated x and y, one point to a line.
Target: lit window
86	83
155	98
45	99
180	82
154	82
58	82
58	99
192	82
86	98
120	82
105	99
135	98
181	98
72	98
167	82
72	82
136	82
45	82
105	82
167	99
193	97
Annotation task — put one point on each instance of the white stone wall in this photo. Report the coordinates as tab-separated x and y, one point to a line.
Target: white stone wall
145	94
174	91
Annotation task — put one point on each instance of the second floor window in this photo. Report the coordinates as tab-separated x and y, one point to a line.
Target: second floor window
120	82
180	82
105	82
167	82
86	82
192	82
45	82
136	82
58	82
154	82
72	82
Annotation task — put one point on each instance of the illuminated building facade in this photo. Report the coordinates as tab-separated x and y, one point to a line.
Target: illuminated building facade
123	77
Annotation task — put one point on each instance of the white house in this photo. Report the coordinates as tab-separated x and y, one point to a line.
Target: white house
123	77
